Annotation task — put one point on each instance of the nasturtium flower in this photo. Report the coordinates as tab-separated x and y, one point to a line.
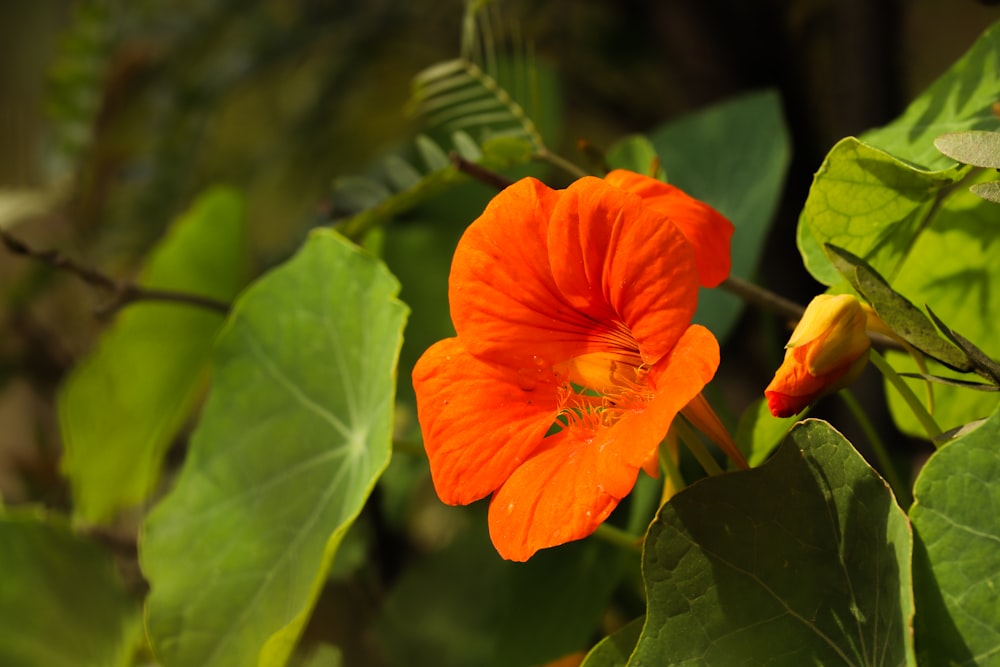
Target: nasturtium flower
574	352
828	350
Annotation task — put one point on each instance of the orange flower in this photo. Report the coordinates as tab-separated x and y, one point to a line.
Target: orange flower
827	351
574	353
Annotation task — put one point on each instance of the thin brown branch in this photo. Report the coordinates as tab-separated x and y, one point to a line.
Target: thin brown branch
787	309
478	172
122	292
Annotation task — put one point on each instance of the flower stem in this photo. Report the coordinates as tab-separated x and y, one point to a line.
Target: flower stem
619	538
918	409
674	481
695	445
561	162
902	492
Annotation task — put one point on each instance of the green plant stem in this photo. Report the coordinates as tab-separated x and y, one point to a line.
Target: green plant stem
902	492
670	469
561	162
918	409
695	445
619	538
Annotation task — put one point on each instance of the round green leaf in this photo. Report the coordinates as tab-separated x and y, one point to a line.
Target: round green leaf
122	405
295	432
961	99
61	600
803	561
956	568
870	203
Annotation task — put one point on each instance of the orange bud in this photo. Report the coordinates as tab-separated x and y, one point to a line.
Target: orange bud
827	351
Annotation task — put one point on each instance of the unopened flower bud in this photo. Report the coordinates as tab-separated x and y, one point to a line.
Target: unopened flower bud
827	351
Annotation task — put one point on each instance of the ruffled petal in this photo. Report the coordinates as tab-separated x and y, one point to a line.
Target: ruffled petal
504	302
707	229
480	422
617	261
569	487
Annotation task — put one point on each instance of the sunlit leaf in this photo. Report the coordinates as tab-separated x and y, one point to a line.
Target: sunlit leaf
906	320
952	269
124	403
959	100
978	148
805	560
759	432
990	191
61	600
871	204
956	566
734	156
295	432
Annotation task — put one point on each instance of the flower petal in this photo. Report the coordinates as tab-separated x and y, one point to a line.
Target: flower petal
707	229
616	260
479	421
565	490
504	302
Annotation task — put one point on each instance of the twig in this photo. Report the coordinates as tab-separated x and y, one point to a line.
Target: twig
789	310
479	172
122	292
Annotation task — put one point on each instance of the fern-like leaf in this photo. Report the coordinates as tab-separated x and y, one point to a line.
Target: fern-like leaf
481	91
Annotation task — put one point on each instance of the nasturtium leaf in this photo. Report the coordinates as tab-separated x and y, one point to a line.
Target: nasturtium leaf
870	203
464	605
802	561
953	269
759	433
294	434
615	649
61	600
976	147
636	153
906	320
960	99
956	569
122	405
734	156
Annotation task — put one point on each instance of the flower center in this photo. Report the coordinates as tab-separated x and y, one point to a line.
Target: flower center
601	386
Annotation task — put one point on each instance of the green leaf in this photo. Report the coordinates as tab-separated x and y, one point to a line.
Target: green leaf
61	601
979	360
803	561
990	191
636	153
464	605
978	148
956	567
357	193
734	156
870	203
759	432
615	649
961	99
906	320
295	432
952	268
123	404
433	155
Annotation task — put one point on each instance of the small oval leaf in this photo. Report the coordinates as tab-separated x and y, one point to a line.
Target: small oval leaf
976	147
